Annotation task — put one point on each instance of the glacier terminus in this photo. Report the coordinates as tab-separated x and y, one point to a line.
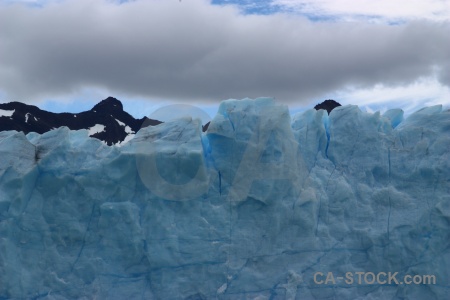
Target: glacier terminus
259	206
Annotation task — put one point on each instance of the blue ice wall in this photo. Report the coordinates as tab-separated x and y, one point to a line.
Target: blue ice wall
254	208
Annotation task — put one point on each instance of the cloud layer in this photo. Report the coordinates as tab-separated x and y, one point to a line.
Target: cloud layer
192	50
379	10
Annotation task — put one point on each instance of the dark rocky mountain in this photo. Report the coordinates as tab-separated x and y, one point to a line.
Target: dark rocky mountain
106	121
327	105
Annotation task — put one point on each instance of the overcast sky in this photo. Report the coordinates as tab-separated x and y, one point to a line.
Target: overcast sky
69	54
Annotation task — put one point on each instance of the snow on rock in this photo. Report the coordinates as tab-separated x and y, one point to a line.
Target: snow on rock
251	209
120	123
27	117
129	130
97	128
6	113
130	134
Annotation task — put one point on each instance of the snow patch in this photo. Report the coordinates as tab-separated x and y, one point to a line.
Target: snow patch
130	133
6	113
129	130
120	123
97	128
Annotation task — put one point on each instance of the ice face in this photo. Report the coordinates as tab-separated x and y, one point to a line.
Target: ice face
252	209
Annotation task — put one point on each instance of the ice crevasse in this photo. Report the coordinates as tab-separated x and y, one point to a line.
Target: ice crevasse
261	206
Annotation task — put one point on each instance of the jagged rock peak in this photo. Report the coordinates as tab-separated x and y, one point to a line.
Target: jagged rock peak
109	104
328	105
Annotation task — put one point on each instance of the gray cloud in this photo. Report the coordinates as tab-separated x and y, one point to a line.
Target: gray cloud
191	50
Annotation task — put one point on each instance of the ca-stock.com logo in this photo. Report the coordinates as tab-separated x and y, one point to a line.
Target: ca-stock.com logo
170	157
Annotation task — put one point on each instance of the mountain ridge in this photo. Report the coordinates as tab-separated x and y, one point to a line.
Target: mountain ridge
106	120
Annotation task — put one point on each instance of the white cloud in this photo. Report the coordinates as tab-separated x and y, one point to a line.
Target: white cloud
396	10
412	97
35	3
192	51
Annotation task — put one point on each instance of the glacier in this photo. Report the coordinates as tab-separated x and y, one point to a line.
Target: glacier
254	208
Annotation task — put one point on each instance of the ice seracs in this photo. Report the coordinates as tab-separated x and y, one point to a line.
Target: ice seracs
251	209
